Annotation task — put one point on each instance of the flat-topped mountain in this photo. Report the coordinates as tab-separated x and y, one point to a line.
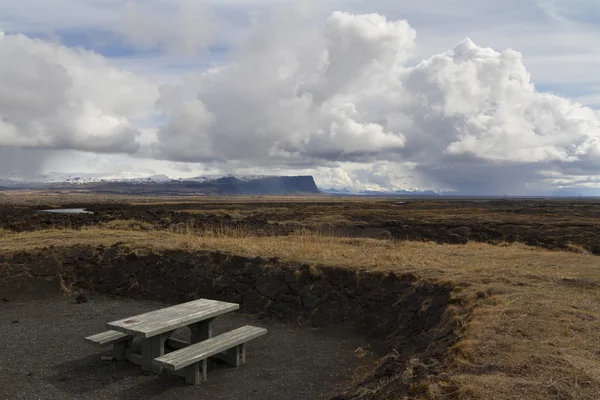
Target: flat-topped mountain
162	185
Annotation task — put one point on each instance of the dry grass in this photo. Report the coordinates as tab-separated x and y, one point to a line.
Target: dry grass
473	262
475	214
234	214
57	198
127	225
533	331
318	219
64	197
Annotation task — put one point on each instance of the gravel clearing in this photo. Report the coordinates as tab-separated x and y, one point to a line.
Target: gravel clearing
44	356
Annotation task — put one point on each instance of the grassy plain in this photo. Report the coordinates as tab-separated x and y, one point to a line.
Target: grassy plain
534	314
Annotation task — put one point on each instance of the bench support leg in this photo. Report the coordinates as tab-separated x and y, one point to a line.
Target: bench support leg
196	373
235	356
242	353
201	331
151	348
120	349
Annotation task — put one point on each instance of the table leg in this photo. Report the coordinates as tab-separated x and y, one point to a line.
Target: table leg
201	330
151	348
120	349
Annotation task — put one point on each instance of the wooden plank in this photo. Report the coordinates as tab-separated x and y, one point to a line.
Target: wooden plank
201	351
108	337
170	318
158	317
185	316
146	322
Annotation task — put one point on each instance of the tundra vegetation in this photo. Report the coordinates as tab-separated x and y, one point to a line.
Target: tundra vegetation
522	275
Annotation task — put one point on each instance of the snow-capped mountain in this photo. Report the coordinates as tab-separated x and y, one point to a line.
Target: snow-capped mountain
83	178
221	184
162	184
241	178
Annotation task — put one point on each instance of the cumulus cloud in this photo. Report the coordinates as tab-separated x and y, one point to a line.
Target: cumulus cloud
289	95
52	97
185	32
344	92
342	98
491	109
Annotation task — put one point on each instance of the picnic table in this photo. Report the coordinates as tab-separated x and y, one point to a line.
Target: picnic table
154	330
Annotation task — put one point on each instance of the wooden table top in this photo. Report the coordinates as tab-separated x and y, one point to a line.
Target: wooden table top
167	319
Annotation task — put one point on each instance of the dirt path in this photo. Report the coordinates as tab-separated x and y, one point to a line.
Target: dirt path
44	356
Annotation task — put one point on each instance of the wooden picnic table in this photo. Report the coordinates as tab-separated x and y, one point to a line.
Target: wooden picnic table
154	328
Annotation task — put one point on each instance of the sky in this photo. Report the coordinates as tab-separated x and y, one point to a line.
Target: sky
466	96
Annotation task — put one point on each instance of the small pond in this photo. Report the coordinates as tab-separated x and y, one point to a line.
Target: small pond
68	211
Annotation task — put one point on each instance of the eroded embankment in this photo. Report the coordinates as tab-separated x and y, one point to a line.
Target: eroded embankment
408	316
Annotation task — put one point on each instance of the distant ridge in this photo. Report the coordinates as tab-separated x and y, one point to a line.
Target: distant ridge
163	185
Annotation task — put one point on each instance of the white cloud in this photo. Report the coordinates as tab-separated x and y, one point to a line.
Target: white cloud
345	98
490	109
555	49
55	97
289	93
344	92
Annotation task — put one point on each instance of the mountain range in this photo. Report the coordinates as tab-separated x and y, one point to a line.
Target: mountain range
163	185
268	185
227	185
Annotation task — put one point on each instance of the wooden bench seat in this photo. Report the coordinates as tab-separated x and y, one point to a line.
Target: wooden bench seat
108	337
120	342
190	357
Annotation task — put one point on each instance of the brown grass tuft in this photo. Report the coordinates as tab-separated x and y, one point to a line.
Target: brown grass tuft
128	225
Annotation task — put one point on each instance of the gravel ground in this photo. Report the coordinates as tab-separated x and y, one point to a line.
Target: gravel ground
43	356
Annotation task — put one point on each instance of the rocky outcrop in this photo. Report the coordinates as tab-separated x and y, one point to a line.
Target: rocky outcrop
404	314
